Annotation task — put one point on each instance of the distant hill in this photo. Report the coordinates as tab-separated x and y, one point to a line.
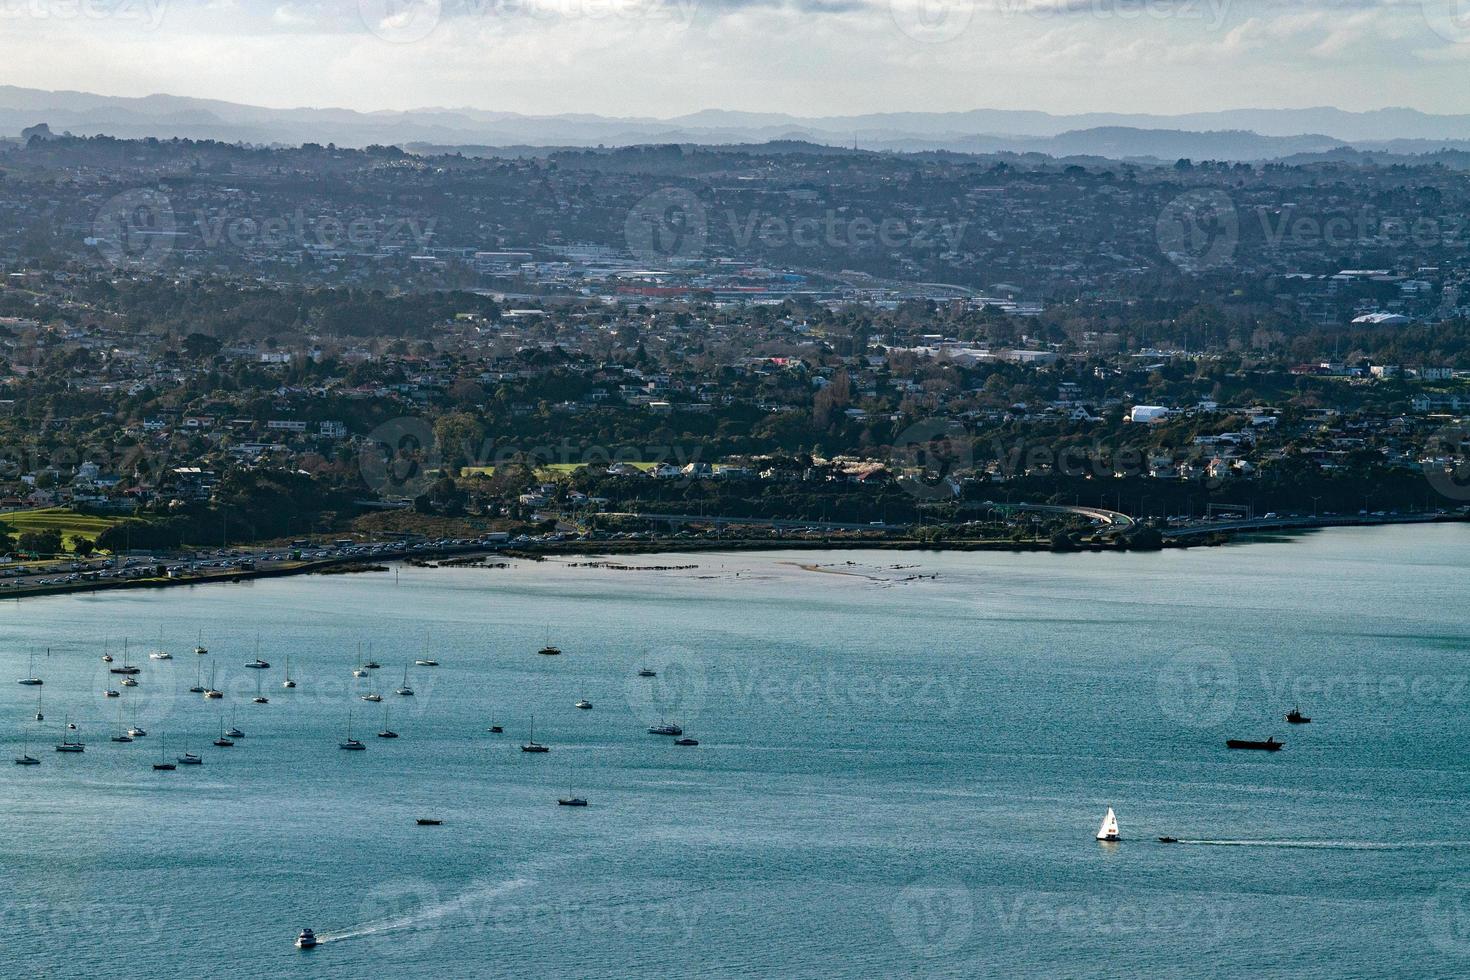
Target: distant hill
1237	134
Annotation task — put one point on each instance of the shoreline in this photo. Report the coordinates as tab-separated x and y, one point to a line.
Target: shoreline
1218	537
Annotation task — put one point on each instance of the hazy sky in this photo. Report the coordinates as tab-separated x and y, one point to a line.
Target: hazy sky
665	57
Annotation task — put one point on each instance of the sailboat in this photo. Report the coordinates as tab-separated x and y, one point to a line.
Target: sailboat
584	704
359	670
288	682
259	697
160	653
163	765
31	680
122	735
234	732
223	741
426	660
66	744
386	732
39	715
350	744
135	731
531	744
126	667
257	663
549	650
211	692
199	648
190	759
25	758
198	687
405	690
1108	832
106	657
571	799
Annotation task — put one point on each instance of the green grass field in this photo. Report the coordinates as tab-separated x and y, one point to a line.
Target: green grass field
68	522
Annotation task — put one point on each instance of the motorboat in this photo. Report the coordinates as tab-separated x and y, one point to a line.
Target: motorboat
428	821
306	940
374	698
686	741
1168	840
666	730
160	655
1269	745
1295	717
130	682
427	663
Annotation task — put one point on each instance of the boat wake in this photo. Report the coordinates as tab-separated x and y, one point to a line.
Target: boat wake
1331	845
428	913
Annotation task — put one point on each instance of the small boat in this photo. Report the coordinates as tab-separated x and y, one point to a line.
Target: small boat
259	698
1295	717
130	682
233	731
199	648
223	742
163	765
107	658
257	664
686	741
1108	832
190	759
39	715
160	655
1269	745
496	729
306	940
350	744
374	698
404	690
110	693
584	704
571	799
1168	840
427	662
125	669
531	744
211	692
136	732
372	665
288	682
386	732
26	759
645	672
122	738
198	687
66	744
428	822
666	730
31	680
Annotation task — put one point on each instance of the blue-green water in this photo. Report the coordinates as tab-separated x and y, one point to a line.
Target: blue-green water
895	777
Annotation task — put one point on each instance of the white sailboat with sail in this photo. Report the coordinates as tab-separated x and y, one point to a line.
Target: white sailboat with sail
1108	832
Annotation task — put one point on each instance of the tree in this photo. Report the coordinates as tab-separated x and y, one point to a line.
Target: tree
43	542
82	546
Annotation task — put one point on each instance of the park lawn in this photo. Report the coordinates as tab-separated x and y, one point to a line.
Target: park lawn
68	522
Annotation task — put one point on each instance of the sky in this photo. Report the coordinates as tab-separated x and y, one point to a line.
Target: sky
807	57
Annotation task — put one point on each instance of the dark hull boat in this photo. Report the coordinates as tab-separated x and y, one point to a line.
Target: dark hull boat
1295	717
1269	745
